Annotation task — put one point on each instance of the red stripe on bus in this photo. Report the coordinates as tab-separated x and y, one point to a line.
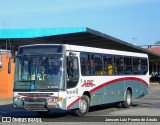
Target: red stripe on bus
110	82
73	102
119	80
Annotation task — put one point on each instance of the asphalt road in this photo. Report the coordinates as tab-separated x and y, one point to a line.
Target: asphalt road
144	107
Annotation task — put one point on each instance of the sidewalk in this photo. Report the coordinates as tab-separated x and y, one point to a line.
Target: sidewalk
6	101
154	83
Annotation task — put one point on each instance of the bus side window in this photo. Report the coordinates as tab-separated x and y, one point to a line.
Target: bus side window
98	64
118	65
108	64
144	66
136	66
85	64
110	69
127	65
92	66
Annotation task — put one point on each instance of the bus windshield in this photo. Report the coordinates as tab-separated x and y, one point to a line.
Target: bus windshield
39	72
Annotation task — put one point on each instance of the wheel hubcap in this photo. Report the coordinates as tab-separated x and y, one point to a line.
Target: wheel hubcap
83	106
128	99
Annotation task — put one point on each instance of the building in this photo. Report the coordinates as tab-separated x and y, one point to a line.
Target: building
6	79
154	64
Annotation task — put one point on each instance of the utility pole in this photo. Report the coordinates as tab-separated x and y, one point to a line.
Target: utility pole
134	38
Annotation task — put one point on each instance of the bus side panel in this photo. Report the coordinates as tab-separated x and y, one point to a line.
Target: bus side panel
136	87
62	104
145	90
145	87
97	97
73	102
114	92
108	92
73	98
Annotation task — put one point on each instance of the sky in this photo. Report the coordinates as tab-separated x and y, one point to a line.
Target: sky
122	19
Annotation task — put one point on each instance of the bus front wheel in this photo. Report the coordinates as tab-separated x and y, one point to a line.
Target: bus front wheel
128	100
84	106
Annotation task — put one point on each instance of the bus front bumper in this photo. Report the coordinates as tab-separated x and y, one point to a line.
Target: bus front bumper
38	104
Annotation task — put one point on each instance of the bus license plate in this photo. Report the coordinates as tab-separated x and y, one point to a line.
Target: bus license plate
52	103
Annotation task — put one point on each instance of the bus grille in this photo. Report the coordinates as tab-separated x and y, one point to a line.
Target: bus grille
36	94
35	100
35	107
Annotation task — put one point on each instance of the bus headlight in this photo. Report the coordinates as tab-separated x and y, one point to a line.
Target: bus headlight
52	100
16	99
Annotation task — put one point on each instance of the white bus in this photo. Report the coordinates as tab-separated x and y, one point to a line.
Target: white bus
60	76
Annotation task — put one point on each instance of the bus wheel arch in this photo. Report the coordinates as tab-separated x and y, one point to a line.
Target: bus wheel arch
86	93
130	89
127	98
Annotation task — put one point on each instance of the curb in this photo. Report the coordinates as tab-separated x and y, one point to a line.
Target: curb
154	83
6	101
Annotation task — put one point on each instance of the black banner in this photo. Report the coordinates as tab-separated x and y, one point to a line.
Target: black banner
85	119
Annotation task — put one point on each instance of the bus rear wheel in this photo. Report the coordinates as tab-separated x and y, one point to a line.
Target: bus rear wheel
128	100
84	106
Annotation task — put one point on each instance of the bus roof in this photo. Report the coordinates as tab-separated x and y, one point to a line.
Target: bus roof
93	50
103	51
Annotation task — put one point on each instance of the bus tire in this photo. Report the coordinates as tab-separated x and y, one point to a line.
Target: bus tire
84	106
128	100
43	113
119	104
